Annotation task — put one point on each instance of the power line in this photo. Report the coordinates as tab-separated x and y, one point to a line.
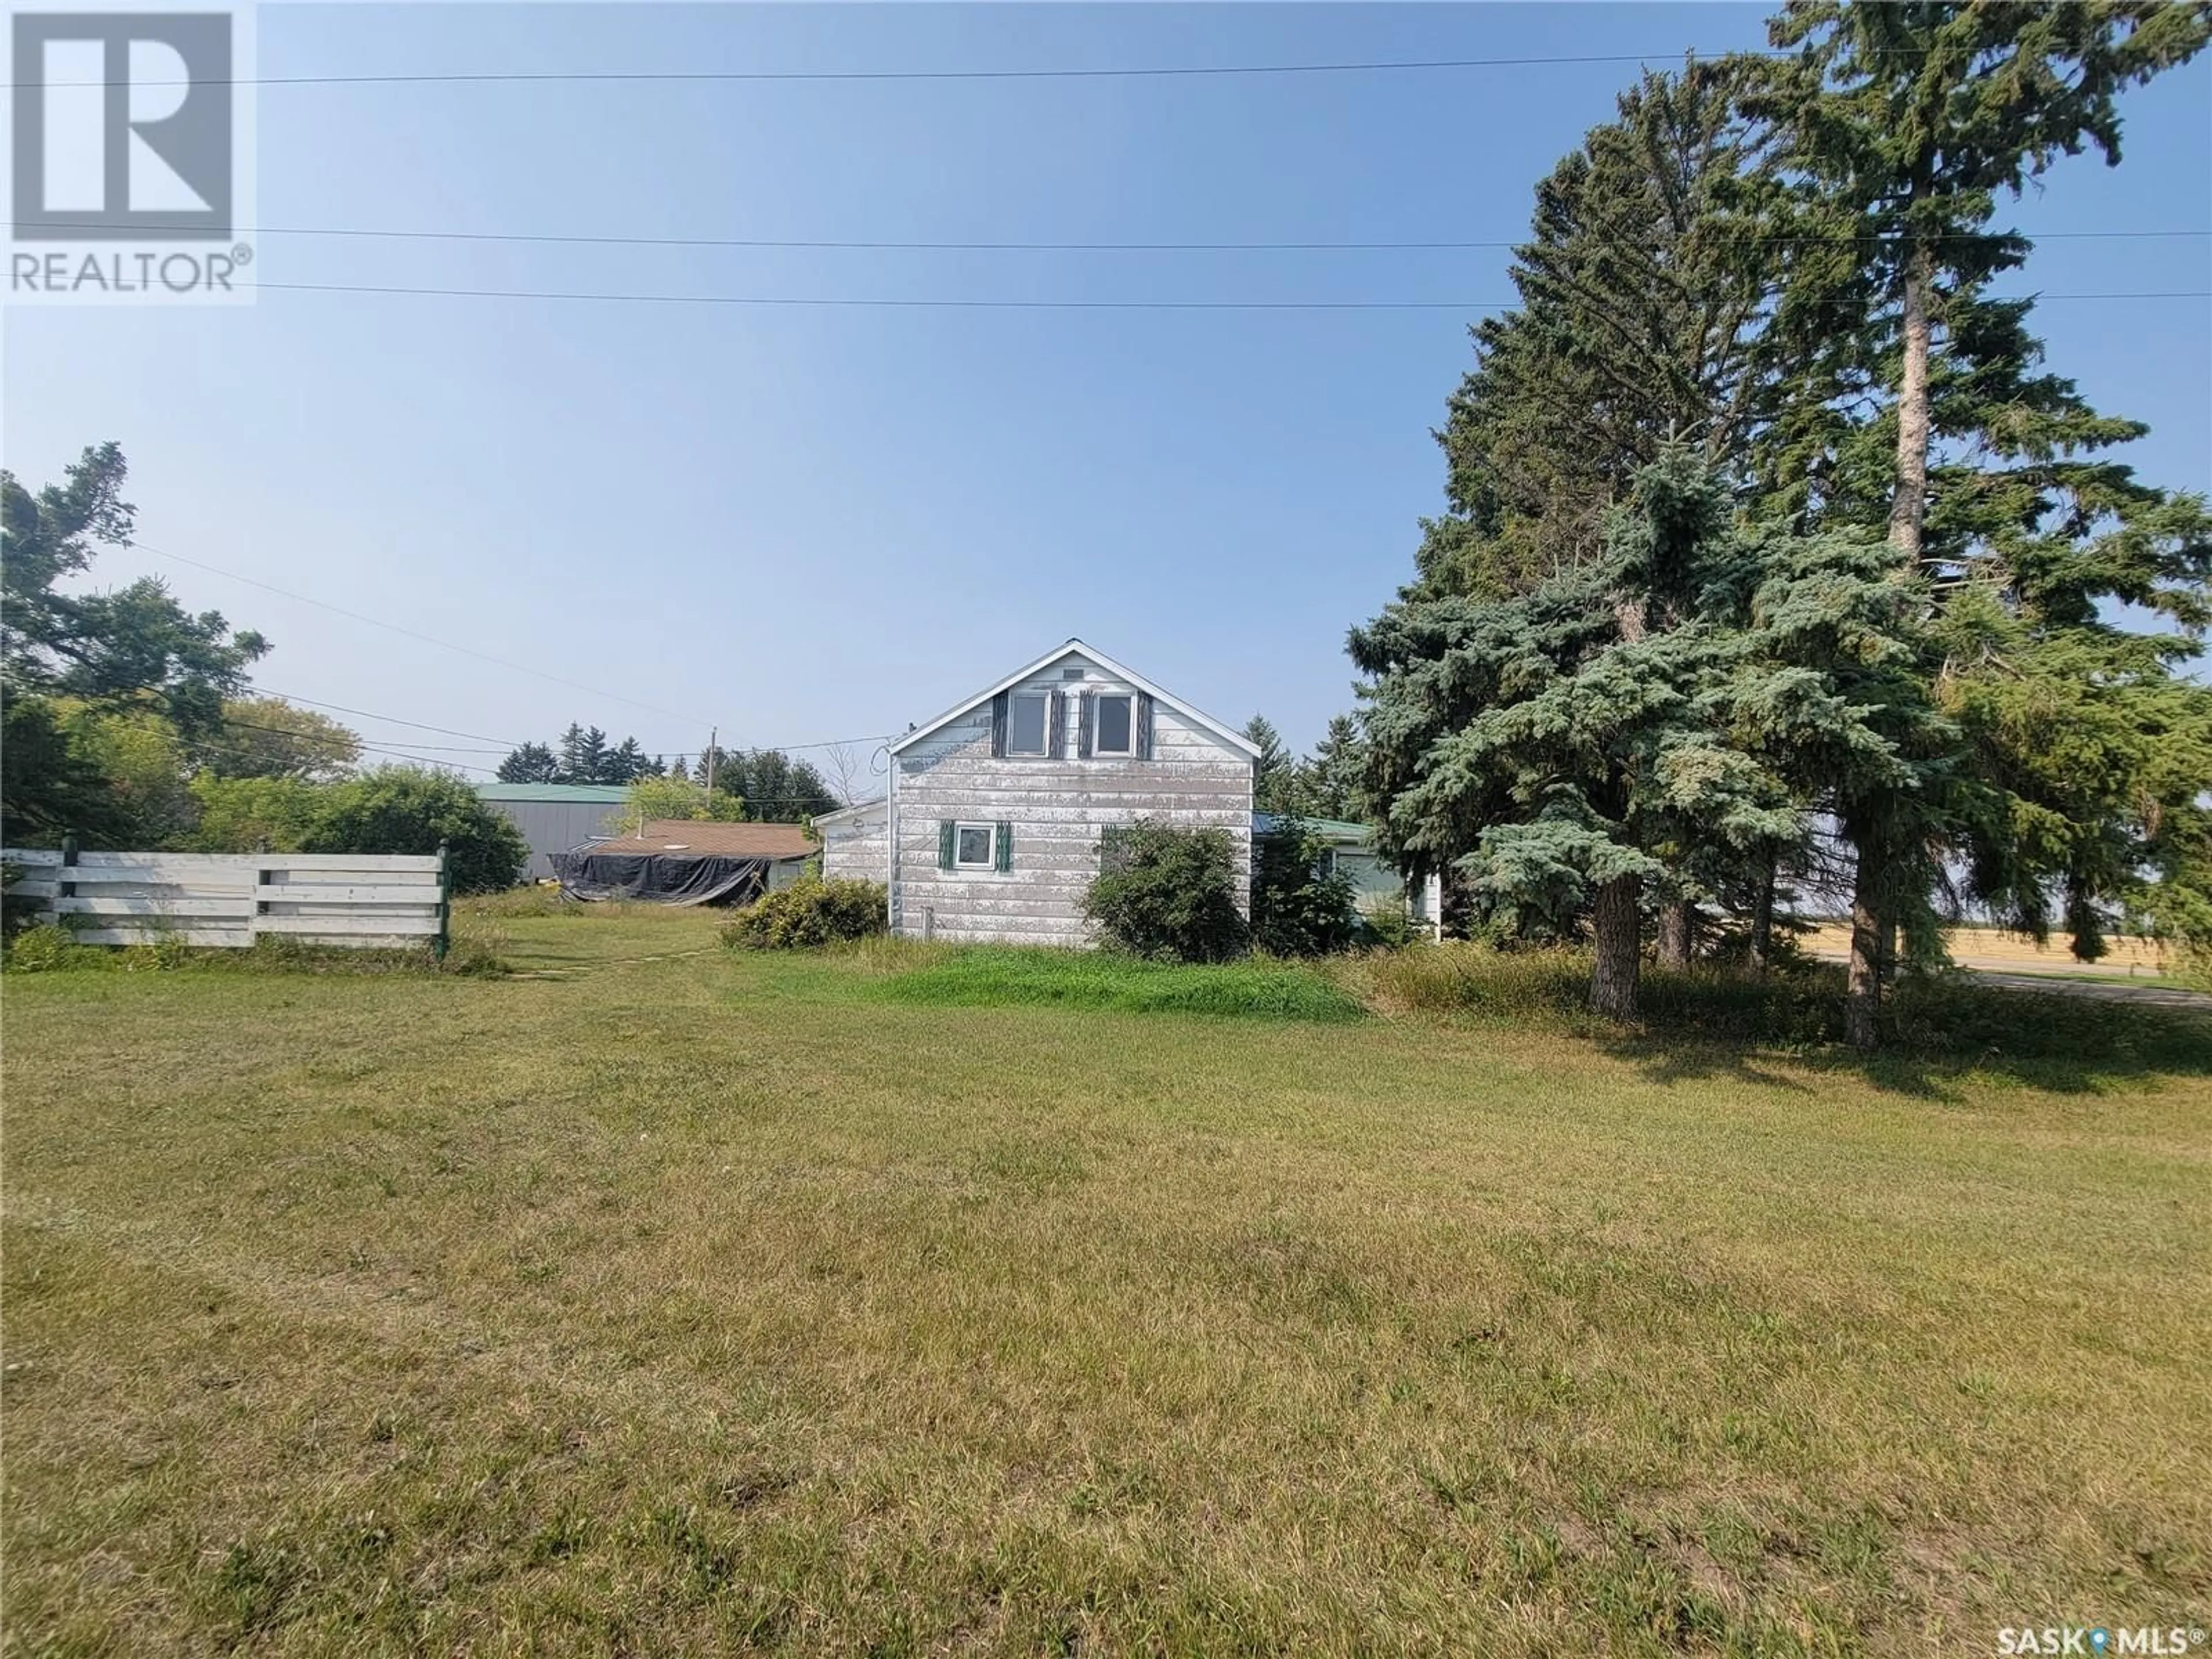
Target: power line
918	303
599	240
508	745
1162	71
895	303
233	722
390	719
427	639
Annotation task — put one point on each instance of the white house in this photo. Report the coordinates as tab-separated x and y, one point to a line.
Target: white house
993	826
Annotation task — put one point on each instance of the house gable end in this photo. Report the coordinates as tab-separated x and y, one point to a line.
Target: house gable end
1059	659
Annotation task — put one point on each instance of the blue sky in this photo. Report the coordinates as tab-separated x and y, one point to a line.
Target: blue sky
805	523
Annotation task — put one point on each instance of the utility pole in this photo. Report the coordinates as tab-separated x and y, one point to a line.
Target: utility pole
714	753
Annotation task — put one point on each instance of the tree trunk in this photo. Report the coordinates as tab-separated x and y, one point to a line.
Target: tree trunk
1862	994
1678	923
1874	921
1908	505
1617	920
1761	948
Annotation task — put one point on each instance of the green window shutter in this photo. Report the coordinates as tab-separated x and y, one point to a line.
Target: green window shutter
1082	726
947	833
1006	839
999	726
1143	743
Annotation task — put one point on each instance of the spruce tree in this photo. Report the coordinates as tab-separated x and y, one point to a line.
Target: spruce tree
1333	778
1550	747
625	763
1275	771
583	754
1644	285
1901	125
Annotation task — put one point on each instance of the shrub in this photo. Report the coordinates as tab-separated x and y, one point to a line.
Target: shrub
51	948
1167	894
393	809
1297	911
244	815
1389	927
407	809
809	912
16	910
678	797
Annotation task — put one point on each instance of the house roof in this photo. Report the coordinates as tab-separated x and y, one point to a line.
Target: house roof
855	810
1234	738
579	794
743	841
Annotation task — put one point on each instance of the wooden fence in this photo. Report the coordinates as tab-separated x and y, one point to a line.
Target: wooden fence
365	900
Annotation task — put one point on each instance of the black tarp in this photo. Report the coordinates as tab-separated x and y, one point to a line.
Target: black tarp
662	877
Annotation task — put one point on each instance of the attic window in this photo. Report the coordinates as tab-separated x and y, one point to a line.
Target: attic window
1114	730
1025	723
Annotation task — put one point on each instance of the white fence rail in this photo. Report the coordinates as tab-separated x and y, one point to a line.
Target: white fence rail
365	900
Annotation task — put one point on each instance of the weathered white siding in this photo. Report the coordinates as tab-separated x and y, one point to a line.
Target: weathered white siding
857	847
1057	806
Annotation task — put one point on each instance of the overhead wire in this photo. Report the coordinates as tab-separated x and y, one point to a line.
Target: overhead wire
949	304
391	720
410	633
594	239
1081	72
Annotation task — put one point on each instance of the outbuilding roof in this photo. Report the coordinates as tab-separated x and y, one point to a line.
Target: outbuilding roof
1331	829
858	808
578	794
744	840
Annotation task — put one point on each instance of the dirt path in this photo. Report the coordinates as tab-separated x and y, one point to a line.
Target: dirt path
2103	990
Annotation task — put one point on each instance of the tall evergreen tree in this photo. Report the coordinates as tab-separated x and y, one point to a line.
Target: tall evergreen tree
1902	125
583	754
533	762
776	788
1909	119
1551	746
625	763
1332	780
1609	737
1275	771
1644	285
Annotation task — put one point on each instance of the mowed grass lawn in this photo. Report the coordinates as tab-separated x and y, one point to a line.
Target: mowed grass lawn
699	1304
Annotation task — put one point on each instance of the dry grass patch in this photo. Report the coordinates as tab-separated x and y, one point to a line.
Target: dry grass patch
691	1303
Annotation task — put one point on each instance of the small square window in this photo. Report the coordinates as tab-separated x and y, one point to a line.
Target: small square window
972	849
1025	724
1114	725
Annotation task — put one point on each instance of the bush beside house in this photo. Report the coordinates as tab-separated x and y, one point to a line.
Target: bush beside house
809	912
1168	895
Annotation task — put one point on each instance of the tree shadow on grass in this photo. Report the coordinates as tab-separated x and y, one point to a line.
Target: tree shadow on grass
1941	1032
